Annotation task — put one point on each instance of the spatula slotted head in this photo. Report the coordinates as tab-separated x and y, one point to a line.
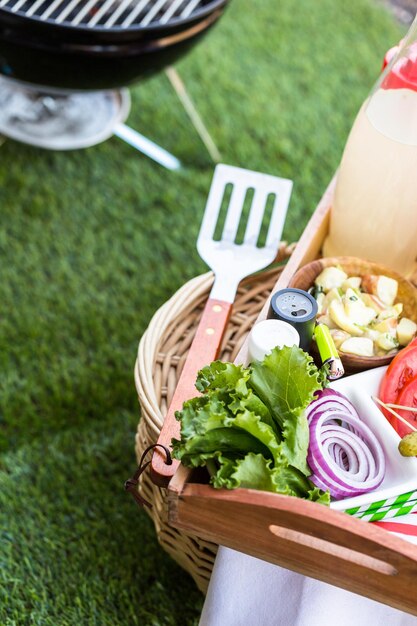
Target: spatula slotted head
240	206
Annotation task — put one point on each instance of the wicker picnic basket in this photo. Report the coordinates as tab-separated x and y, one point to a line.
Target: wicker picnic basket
161	355
290	532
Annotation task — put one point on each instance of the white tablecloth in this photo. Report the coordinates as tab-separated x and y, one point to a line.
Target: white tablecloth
245	591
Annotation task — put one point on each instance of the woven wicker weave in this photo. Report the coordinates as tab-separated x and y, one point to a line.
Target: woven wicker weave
161	355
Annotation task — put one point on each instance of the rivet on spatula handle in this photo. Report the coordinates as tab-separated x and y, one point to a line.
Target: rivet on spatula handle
204	349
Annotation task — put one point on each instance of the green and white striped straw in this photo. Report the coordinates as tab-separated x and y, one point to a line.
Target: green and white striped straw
386	509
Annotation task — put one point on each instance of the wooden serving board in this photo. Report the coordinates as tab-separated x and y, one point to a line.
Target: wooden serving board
302	536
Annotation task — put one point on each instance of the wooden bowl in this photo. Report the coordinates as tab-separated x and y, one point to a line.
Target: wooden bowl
407	294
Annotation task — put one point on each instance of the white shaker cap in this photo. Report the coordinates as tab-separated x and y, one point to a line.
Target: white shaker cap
269	334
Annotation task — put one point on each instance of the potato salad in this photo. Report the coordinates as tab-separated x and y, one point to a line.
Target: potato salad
362	313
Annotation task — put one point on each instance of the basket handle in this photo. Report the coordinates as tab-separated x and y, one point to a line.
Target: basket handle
204	349
131	484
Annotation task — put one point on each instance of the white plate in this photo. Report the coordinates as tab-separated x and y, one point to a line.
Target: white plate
401	472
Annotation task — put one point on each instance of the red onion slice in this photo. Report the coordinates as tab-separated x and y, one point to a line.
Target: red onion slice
327	399
344	455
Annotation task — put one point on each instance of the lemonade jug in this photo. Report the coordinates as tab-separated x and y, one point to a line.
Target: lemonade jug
374	209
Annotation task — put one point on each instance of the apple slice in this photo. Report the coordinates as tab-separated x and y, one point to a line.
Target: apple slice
406	330
371	334
330	277
337	313
387	326
320	299
391	311
356	310
339	336
387	342
361	346
383	287
373	302
353	282
325	319
331	295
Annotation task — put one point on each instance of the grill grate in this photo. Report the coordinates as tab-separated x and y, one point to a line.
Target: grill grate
104	13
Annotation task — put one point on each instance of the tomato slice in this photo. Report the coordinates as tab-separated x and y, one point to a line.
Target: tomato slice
401	371
407	397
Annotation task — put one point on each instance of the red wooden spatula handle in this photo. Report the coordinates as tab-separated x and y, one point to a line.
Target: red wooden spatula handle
203	350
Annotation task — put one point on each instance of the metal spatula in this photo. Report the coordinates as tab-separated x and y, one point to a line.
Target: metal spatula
230	263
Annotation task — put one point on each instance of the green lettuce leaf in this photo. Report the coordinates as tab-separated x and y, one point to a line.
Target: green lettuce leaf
256	472
253	424
221	376
207	426
317	495
251	472
286	381
249	426
229	383
199	449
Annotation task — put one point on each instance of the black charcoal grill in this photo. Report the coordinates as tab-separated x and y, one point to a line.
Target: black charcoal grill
56	48
98	44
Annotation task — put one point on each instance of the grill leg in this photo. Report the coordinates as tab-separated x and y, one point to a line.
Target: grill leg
147	147
193	114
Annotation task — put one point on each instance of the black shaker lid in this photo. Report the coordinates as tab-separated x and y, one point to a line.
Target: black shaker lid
294	305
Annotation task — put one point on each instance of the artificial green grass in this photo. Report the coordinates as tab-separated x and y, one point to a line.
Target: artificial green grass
91	243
